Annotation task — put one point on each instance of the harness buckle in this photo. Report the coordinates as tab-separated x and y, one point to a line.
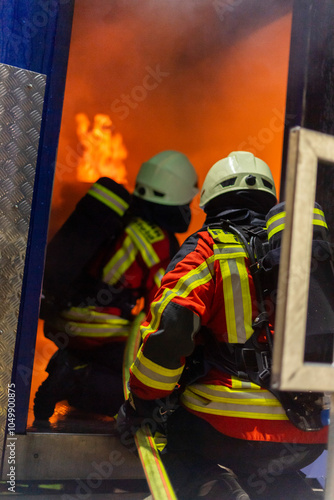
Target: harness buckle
260	320
265	365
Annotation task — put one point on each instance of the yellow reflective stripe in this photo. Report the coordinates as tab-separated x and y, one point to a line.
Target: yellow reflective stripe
120	262
134	242
195	278
185	285
235	286
320	223
112	200
277	229
319	218
275	218
237	300
96	330
237	383
229	251
222	237
276	223
171	373
258	412
145	248
149	382
158	276
88	314
228	301
153	375
224	394
246	317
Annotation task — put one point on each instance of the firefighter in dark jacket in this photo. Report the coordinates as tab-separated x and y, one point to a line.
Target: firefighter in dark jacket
91	332
229	438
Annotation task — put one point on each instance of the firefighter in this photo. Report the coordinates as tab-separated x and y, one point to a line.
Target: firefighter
227	437
91	334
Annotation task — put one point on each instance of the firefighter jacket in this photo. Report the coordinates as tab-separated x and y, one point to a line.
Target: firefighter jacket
208	293
130	275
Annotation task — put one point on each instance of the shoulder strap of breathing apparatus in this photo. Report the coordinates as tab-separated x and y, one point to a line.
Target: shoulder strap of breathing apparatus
253	360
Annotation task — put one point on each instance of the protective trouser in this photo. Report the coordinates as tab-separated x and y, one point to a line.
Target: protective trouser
261	470
90	380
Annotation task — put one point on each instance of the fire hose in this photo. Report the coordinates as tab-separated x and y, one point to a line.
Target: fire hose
154	470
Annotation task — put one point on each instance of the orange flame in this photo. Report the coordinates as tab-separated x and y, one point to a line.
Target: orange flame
103	150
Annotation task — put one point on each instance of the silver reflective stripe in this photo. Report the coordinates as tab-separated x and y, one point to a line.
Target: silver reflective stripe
275	224
265	410
158	276
238	384
195	278
96	330
120	262
319	218
147	252
88	315
222	393
109	198
153	375
232	251
238	303
237	300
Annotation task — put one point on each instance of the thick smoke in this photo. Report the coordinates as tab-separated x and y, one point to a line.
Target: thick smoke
202	77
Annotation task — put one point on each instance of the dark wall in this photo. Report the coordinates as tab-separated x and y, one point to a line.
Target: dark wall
310	93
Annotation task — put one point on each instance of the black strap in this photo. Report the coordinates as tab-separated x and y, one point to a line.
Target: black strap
252	360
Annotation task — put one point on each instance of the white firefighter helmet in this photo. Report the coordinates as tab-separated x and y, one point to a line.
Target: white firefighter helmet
239	171
168	178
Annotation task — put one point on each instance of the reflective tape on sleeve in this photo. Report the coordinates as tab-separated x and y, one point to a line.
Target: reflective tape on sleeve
158	276
185	285
154	375
277	222
319	218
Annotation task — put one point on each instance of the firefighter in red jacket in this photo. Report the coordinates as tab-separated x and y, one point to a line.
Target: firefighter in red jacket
206	305
91	333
